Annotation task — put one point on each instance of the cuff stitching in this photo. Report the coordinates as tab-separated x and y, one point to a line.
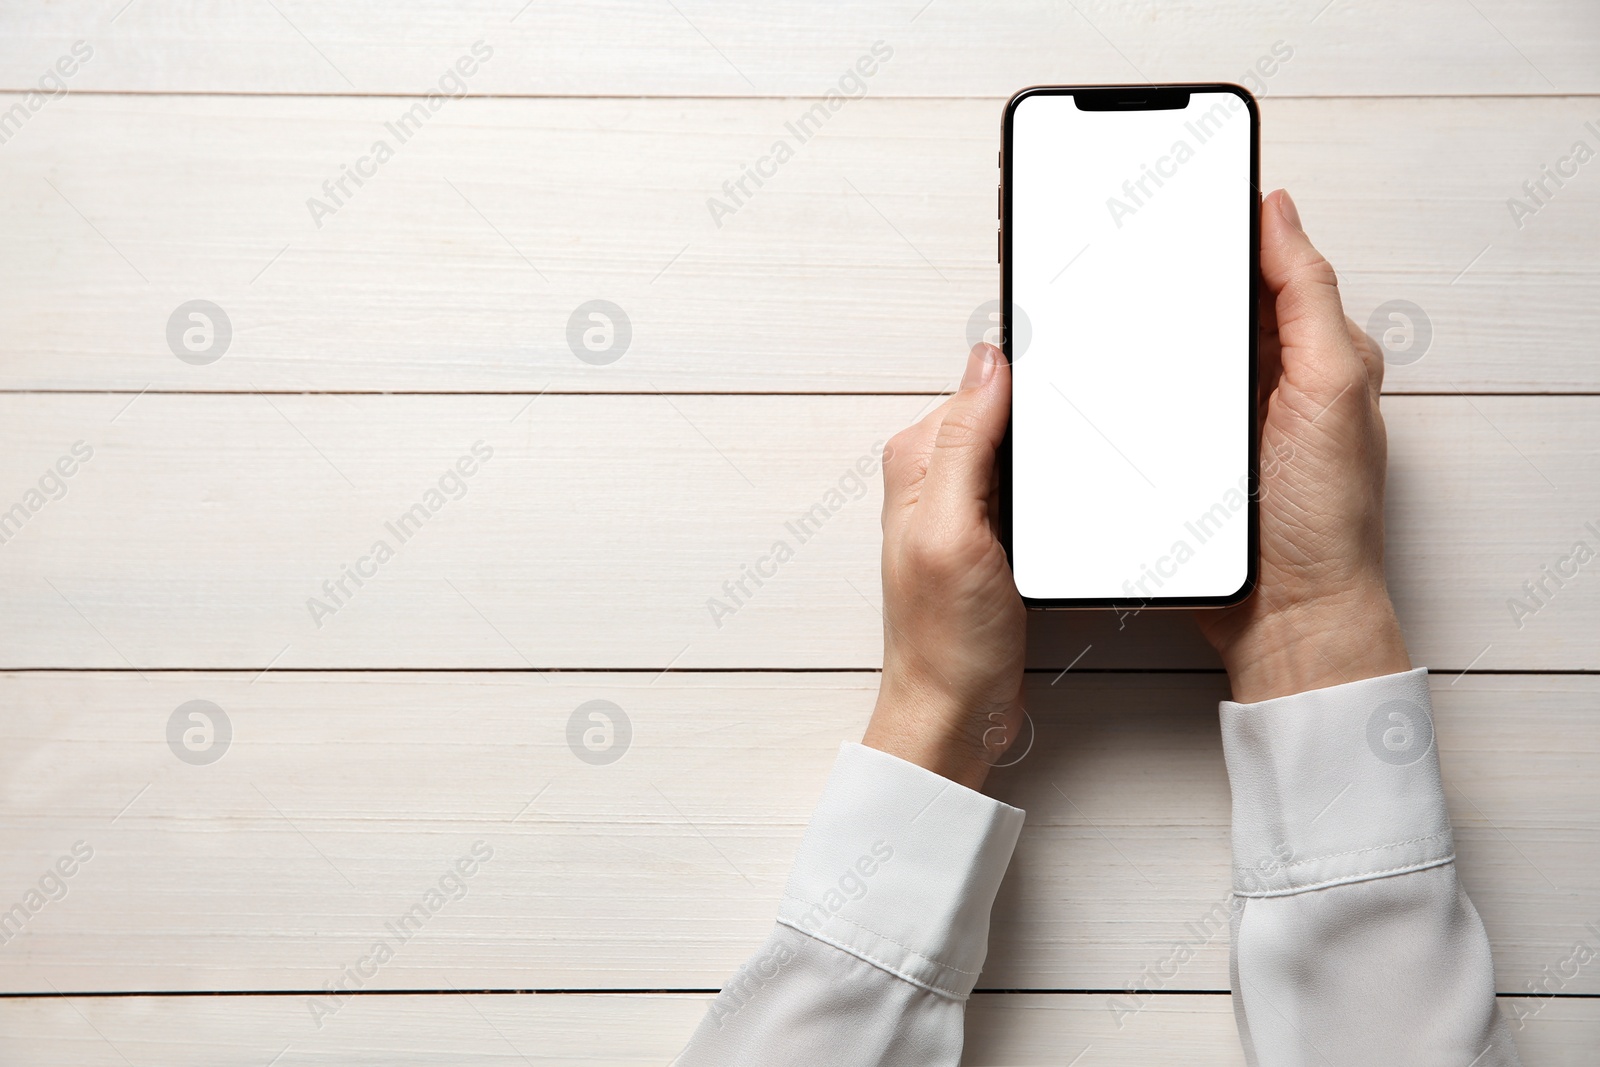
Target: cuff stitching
1353	852
882	937
880	964
1365	876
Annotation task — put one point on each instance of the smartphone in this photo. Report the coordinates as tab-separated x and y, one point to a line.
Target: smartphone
1129	237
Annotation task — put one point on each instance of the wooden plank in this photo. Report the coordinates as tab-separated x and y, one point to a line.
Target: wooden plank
341	800
251	1031
1036	1029
791	48
603	530
461	264
1009	1030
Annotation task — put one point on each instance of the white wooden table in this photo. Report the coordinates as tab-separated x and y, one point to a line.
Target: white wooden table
350	755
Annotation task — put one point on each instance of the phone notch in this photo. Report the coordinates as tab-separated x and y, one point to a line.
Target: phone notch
1132	98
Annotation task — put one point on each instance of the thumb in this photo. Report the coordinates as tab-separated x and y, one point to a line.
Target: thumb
1317	354
961	468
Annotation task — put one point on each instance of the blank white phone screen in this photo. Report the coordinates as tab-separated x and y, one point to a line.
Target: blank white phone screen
1130	412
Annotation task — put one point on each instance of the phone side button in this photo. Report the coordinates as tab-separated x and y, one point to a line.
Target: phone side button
999	244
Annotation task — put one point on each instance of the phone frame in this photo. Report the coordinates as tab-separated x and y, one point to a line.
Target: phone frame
1136	98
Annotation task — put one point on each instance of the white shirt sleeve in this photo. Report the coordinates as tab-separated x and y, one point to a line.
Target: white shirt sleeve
882	930
1353	942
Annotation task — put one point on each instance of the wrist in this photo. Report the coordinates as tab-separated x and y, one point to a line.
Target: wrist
923	727
1298	647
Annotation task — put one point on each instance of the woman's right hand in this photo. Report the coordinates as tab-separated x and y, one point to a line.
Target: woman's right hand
1320	614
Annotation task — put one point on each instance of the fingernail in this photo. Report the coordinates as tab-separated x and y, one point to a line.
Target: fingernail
981	362
1290	212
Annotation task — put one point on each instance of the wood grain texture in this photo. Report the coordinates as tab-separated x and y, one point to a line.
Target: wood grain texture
793	48
603	530
341	800
602	525
856	268
1010	1031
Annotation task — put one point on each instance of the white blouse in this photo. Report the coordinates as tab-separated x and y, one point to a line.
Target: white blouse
1353	942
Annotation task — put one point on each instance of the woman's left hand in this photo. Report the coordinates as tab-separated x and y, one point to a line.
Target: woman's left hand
954	627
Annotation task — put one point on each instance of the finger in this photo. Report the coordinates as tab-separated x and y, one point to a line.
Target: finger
1371	356
1315	348
994	504
905	463
961	468
1269	364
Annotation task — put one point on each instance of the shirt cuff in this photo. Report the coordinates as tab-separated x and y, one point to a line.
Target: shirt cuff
900	867
1335	785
